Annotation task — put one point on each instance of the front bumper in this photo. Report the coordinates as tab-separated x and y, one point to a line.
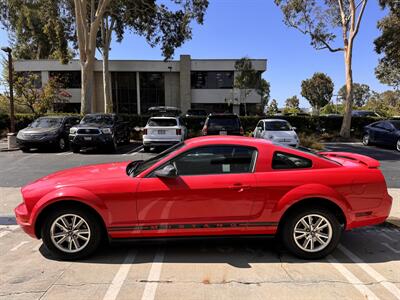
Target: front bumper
36	143
91	140
22	216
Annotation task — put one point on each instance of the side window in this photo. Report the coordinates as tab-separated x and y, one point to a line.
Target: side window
284	161
387	126
216	160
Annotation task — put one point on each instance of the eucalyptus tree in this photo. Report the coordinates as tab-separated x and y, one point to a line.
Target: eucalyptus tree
320	20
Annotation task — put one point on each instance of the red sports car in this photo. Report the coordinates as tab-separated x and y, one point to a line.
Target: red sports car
209	186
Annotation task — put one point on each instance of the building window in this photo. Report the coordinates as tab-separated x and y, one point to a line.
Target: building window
152	91
68	79
34	77
212	79
124	93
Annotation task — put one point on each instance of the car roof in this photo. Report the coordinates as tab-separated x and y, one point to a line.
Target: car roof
222	115
226	139
164	117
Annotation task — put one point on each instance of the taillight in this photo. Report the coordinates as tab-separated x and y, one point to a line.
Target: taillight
241	130
204	130
145	131
179	131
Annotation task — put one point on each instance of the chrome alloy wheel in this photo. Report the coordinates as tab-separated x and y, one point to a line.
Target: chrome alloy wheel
312	233
70	233
398	145
61	144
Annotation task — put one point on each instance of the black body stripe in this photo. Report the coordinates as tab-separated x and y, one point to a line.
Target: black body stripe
193	226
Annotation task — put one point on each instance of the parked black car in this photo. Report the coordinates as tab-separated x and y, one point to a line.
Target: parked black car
104	131
47	131
383	132
222	124
196	113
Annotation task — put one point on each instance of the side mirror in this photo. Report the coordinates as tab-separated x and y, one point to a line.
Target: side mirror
294	128
169	171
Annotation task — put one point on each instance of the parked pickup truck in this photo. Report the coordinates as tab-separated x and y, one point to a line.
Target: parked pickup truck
104	131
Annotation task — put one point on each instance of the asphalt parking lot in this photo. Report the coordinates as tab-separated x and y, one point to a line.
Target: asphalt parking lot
365	266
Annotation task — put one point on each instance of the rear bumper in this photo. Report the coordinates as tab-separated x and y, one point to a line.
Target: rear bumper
373	216
161	142
22	216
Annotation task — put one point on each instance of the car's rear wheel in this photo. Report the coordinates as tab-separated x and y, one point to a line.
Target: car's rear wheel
365	139
71	233
311	233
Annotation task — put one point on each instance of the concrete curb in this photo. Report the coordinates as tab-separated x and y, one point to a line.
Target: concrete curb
8	150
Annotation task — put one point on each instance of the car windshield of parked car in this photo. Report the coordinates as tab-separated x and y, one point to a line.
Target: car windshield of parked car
277	126
46	123
396	124
97	119
162	122
223	123
144	165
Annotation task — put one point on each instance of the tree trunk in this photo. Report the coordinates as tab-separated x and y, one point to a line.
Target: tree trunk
346	124
87	87
108	105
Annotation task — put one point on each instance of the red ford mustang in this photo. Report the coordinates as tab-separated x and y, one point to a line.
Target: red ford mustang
209	186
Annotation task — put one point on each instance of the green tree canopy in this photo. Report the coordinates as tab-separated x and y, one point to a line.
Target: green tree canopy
388	44
317	90
292	105
361	93
37	29
273	107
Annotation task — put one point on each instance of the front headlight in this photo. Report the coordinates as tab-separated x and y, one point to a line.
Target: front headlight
73	130
106	131
20	135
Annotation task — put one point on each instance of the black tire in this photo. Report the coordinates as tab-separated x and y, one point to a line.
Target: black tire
398	145
93	225
75	148
25	149
146	148
366	140
288	227
113	146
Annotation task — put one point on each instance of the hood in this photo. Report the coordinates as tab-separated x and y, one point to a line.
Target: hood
281	134
76	176
30	130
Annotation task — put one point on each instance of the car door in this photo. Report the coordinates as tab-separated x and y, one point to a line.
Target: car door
215	188
388	133
376	133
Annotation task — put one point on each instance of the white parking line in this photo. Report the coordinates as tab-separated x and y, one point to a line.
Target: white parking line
19	246
137	149
397	251
120	277
388	237
393	289
362	288
154	276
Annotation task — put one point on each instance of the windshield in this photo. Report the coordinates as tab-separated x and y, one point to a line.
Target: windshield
277	126
162	122
97	119
46	123
223	122
137	168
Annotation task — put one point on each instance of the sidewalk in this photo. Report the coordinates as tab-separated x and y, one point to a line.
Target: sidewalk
11	197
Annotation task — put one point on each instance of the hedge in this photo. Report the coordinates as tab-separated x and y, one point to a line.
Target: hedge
307	124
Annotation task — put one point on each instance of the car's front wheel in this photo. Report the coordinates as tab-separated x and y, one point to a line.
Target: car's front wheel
71	233
398	145
311	233
366	140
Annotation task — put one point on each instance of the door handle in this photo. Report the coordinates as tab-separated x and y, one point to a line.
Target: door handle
240	187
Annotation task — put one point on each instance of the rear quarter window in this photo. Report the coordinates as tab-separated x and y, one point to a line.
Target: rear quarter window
287	161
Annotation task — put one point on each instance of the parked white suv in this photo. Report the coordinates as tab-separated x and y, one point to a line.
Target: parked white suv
276	130
163	131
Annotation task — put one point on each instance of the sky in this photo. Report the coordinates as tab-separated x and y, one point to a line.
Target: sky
255	28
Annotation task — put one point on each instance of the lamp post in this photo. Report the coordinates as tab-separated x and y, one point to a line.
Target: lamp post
11	135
